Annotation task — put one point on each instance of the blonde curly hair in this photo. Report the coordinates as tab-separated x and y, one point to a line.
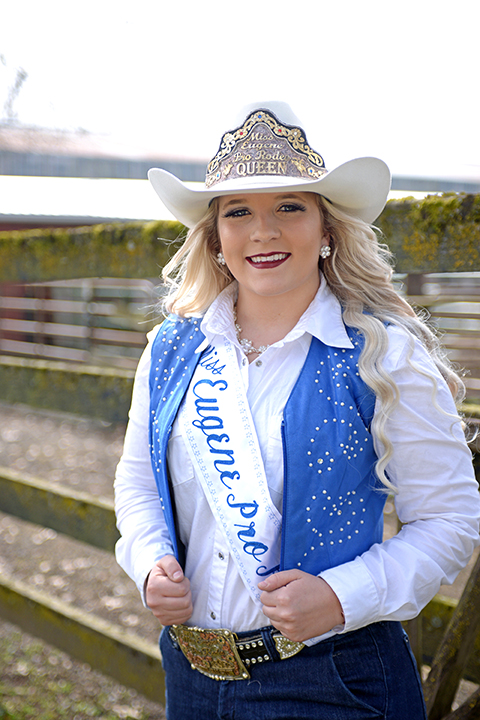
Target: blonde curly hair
358	272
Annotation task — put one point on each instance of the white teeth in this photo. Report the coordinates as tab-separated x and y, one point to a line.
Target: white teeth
268	258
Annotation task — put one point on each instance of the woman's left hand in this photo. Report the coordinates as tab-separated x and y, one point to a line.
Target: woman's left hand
300	605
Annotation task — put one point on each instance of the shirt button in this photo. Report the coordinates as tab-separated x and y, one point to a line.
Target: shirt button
258	363
244	361
213	616
221	556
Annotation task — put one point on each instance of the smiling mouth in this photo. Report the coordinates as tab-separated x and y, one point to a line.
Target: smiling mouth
266	261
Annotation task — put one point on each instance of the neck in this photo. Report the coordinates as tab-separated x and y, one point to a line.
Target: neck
265	320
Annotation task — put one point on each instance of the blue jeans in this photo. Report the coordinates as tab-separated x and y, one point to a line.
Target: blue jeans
369	673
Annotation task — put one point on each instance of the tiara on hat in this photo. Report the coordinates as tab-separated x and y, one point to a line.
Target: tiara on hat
264	146
268	152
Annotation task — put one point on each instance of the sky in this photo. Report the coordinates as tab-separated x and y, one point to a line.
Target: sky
396	80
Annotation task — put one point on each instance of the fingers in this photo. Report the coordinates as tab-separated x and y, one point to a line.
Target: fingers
170	566
300	605
279	601
278	580
168	592
170	610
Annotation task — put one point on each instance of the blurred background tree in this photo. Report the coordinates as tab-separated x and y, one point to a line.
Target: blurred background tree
9	116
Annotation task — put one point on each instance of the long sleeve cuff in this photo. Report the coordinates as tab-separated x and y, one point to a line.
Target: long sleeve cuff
361	606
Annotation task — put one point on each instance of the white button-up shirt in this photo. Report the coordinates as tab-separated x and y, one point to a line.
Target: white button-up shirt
431	467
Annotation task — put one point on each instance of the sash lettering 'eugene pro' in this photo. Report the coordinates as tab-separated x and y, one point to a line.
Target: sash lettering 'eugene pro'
222	443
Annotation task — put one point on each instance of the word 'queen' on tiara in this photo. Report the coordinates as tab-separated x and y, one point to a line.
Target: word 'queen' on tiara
264	146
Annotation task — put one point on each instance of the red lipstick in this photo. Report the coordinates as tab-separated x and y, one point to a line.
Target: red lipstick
266	261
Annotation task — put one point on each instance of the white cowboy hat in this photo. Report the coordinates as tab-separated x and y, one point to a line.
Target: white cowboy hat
268	151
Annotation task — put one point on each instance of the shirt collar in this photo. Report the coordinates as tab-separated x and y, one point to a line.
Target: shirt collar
322	319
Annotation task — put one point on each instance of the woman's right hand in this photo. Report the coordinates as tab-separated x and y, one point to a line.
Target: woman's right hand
168	593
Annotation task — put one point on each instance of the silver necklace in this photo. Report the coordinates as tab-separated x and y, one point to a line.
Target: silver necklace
246	345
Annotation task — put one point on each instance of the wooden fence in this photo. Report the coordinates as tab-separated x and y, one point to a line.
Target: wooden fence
99	321
103	321
105	646
452	301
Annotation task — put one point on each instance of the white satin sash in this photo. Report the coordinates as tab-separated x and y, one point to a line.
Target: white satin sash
222	443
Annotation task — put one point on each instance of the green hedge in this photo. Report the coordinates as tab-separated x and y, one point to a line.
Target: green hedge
132	250
437	234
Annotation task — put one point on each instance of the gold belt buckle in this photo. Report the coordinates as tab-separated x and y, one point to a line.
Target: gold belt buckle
211	652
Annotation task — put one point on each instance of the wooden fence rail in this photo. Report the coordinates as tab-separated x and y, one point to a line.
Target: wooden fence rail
76	514
100	321
105	647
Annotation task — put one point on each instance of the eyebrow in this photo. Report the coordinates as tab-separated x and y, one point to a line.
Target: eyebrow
280	196
235	201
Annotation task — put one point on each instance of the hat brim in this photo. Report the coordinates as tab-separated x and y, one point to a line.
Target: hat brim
359	187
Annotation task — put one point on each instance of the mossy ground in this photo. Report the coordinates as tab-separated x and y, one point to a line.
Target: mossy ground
38	682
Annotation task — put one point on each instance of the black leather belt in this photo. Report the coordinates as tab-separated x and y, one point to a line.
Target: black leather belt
222	655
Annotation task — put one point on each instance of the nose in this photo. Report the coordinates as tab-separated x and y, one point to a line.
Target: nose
264	228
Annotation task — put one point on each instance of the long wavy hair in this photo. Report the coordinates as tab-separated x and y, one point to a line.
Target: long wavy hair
358	272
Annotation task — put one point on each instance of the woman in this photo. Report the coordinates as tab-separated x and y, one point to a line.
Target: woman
288	392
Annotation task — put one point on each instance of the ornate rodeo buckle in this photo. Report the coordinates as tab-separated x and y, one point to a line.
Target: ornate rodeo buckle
211	652
287	648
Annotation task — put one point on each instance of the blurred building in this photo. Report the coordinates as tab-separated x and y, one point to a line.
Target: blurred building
55	178
58	178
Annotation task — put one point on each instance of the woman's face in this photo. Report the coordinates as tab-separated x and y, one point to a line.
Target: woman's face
271	242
